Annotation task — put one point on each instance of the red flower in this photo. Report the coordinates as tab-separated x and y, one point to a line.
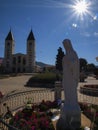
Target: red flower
33	119
96	114
33	128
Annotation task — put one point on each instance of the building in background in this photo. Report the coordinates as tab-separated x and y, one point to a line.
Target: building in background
1	61
19	63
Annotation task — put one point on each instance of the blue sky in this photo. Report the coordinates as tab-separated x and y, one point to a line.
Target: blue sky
52	21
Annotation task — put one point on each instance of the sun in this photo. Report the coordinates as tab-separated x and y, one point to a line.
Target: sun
81	7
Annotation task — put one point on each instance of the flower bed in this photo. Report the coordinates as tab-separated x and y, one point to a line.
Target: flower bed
91	111
90	89
34	117
39	116
92	86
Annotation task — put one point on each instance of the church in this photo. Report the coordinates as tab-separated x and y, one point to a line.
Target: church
19	62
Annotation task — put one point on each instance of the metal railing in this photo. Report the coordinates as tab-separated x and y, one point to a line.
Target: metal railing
19	99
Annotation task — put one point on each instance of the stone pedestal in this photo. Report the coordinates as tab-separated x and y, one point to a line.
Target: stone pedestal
70	118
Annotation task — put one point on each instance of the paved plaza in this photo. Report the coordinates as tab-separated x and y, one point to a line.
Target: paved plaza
18	84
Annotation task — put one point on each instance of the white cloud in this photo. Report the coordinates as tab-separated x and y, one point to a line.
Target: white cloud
96	34
86	34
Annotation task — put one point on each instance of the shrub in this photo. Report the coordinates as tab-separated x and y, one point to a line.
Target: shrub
42	78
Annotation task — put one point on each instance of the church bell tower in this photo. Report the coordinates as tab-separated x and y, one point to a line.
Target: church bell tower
9	50
30	53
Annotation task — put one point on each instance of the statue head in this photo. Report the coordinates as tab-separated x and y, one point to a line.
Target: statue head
67	44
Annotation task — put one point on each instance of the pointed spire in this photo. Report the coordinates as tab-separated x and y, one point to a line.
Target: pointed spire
31	36
10	36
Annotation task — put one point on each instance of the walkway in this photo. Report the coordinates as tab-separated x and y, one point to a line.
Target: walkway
14	84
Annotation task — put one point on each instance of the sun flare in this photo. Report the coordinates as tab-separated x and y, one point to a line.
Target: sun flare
81	7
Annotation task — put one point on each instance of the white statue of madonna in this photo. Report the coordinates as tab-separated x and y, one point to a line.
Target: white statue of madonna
70	64
70	112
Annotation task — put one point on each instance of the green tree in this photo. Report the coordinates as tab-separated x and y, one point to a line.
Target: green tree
83	64
91	67
96	71
59	58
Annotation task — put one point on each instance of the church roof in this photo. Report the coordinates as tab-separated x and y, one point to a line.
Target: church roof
31	36
9	36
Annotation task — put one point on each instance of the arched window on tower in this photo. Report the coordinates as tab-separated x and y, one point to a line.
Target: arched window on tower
8	44
30	44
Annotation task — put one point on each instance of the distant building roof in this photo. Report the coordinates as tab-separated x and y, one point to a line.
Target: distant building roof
9	36
31	36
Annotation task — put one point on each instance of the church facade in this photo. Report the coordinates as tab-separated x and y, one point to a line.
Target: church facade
18	62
